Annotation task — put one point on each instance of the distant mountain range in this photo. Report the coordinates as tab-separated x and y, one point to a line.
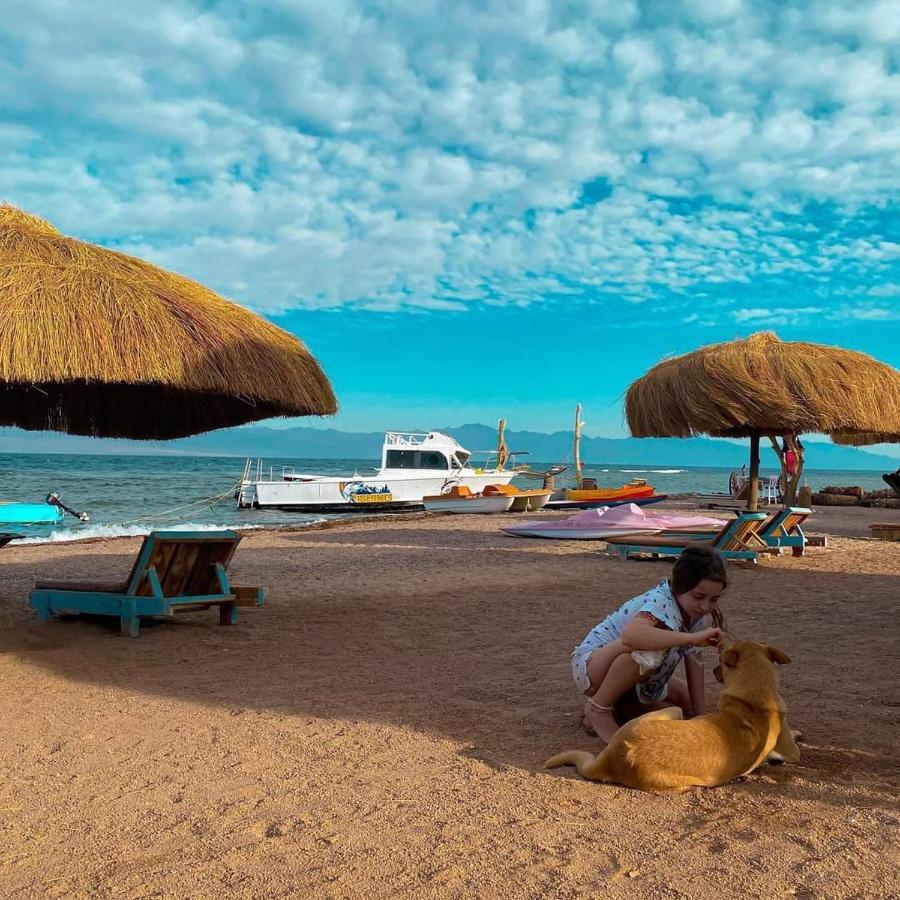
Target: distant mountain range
317	443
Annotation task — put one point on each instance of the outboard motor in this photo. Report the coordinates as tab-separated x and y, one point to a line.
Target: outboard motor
53	500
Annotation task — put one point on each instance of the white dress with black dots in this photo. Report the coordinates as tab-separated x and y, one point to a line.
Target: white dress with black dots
660	602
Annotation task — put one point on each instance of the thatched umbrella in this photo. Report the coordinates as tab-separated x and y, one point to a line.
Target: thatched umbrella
763	386
98	343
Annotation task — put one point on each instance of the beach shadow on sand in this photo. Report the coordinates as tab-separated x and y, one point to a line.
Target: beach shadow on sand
466	636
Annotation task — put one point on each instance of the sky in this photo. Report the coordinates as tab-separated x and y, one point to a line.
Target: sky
470	211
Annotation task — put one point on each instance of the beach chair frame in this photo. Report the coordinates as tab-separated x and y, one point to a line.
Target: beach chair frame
738	539
175	571
783	529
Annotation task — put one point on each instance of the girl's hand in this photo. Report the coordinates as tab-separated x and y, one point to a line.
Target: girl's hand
709	637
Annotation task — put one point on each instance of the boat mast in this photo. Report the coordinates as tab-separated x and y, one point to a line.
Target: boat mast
578	424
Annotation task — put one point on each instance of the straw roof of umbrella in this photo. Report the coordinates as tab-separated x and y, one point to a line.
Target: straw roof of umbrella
762	385
95	342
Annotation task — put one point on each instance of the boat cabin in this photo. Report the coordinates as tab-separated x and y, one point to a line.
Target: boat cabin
432	451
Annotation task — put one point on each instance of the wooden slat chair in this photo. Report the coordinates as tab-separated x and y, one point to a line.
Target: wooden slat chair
175	571
783	529
738	539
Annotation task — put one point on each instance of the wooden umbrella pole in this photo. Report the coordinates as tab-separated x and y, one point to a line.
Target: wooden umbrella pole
785	478
798	473
753	502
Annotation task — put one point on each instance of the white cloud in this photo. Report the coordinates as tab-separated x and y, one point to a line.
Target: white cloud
435	155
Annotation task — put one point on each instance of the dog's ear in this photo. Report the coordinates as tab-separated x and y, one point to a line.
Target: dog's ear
778	656
730	656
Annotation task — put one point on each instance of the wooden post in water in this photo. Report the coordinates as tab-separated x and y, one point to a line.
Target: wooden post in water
576	446
502	449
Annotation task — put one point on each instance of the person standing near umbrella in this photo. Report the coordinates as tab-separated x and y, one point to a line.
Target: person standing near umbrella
790	457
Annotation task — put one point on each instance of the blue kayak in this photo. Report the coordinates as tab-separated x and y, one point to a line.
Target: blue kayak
29	514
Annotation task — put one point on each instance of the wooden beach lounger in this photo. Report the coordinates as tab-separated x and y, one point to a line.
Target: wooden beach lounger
783	530
739	539
175	571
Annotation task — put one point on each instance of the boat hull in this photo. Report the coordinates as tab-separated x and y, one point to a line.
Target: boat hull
593	504
30	514
496	503
604	495
362	494
530	500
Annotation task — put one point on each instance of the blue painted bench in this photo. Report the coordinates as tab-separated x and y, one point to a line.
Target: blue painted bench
175	571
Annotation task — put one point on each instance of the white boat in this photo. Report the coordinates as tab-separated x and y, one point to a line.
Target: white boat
413	466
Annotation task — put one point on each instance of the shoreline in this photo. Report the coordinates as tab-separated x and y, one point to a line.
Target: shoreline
846	521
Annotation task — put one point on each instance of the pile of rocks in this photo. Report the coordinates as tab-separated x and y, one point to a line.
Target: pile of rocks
884	499
855	496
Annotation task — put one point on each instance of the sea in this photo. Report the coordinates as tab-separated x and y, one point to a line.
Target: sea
132	495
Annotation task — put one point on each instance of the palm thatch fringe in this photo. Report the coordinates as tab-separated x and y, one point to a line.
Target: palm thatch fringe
96	342
861	440
762	385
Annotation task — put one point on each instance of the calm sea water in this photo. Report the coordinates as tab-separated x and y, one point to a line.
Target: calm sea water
130	495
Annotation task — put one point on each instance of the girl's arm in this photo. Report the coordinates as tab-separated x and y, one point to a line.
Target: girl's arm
644	632
693	669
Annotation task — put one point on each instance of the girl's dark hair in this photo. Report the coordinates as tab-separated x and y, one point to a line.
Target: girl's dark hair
696	563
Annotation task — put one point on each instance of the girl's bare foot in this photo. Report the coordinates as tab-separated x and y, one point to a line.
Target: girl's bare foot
601	720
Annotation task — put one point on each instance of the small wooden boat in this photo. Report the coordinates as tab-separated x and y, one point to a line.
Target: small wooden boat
529	501
632	491
522	501
587	490
460	499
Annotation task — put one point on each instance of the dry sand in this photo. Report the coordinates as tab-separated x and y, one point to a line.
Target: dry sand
378	728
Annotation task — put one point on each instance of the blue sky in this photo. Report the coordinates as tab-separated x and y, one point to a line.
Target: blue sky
471	210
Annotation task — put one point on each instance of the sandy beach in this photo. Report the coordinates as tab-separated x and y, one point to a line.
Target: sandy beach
378	728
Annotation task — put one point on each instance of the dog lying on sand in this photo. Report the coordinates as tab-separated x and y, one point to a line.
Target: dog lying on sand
660	751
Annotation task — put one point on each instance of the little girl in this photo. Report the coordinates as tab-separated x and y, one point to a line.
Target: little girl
636	648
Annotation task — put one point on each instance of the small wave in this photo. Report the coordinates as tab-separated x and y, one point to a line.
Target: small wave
93	532
654	471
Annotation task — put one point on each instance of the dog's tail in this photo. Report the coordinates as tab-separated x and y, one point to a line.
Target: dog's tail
588	765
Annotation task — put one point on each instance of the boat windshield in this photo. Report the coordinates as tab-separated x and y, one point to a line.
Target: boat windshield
416	459
462	456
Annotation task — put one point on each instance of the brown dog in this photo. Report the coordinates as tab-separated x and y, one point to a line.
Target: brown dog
661	752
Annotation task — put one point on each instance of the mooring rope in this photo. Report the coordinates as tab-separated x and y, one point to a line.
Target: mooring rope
203	503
